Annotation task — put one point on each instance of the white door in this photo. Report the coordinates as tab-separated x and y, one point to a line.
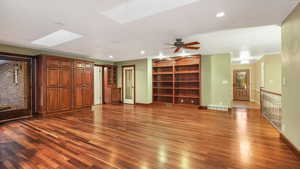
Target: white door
97	85
128	85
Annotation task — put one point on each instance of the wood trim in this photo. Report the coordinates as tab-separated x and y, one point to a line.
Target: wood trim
15	55
203	107
290	145
269	92
134	99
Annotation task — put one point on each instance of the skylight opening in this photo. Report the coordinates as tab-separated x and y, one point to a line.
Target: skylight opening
137	9
56	38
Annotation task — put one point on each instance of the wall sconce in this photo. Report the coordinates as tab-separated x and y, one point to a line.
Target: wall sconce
17	68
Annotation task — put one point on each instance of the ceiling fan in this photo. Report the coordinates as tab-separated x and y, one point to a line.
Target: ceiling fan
180	44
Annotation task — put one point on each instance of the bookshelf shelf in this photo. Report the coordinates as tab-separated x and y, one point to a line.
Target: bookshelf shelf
177	80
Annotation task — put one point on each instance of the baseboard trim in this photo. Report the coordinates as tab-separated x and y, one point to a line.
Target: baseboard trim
203	107
290	145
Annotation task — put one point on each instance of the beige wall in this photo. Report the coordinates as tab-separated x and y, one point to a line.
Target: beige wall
143	72
216	80
291	76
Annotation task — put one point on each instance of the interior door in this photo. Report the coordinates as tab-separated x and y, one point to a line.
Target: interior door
128	85
97	85
241	87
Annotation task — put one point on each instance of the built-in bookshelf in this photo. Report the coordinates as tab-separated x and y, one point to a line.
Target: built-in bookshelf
177	80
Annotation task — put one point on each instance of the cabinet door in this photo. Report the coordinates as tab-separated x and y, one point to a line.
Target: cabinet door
52	99
52	77
78	97
87	78
65	99
87	94
65	78
78	78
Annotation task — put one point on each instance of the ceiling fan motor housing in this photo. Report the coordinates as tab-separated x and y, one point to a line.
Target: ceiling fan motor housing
178	43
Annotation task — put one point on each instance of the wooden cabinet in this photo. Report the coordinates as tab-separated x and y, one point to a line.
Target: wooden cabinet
83	84
112	94
61	86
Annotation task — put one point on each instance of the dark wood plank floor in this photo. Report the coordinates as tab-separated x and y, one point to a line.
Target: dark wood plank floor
145	137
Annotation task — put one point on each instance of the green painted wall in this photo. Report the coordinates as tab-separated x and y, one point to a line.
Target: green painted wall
27	51
216	80
143	72
291	76
272	64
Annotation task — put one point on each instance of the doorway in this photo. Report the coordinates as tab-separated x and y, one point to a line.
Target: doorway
17	85
98	85
241	85
128	84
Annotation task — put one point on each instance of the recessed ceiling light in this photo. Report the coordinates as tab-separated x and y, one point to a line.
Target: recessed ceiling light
220	14
142	52
111	57
56	38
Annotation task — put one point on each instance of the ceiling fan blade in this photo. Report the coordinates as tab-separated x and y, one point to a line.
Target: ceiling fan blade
170	44
191	47
191	43
176	50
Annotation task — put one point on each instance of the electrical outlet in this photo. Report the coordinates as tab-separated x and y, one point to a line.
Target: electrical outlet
192	101
181	100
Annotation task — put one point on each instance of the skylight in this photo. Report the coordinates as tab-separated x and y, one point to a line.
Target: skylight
56	38
138	9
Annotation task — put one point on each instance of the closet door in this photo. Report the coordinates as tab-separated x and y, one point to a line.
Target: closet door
52	86
78	78
65	86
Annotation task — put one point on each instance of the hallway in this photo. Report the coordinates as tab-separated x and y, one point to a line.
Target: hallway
145	137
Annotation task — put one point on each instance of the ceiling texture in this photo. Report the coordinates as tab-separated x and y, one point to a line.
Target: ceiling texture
122	28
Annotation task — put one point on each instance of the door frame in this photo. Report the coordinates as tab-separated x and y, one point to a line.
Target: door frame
248	70
102	81
134	98
32	87
103	91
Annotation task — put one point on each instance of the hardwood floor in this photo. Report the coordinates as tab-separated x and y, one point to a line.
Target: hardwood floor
145	137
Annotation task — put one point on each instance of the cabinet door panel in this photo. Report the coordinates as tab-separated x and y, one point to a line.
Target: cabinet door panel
78	97
52	99
65	98
87	78
66	64
87	94
65	78
53	63
78	78
52	77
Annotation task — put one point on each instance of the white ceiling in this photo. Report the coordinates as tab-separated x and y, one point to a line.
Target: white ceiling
25	21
